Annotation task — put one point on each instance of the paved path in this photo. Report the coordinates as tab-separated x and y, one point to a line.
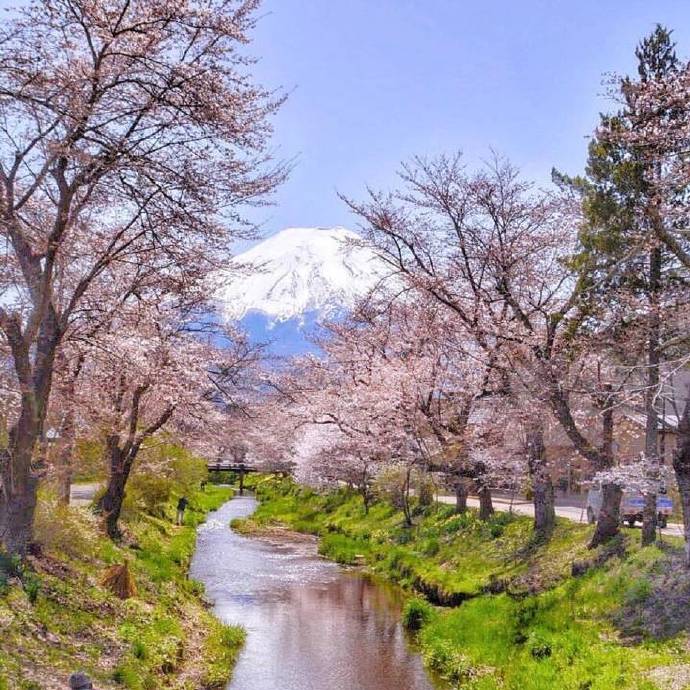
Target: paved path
83	494
573	513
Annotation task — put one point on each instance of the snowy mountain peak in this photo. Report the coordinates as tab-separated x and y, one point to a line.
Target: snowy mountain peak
300	270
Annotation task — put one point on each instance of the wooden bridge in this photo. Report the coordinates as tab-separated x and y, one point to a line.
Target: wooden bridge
242	469
239	468
230	466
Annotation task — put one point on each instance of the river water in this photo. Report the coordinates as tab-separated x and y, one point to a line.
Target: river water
311	625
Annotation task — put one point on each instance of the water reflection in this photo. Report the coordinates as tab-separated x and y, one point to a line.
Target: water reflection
311	625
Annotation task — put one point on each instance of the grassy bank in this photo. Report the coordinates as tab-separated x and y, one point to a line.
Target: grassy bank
495	609
56	618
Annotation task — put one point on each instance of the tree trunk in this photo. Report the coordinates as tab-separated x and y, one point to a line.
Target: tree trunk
651	444
486	506
68	430
608	520
649	519
121	459
20	480
66	457
681	466
365	500
20	476
363	488
17	511
406	498
461	497
110	505
542	486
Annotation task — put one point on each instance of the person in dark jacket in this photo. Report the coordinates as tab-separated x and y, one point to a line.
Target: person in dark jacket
181	507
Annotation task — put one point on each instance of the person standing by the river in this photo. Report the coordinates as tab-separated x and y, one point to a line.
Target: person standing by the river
181	507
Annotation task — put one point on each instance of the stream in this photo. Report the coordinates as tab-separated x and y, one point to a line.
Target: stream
311	624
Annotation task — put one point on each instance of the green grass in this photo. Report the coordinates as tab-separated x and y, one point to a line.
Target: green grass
165	637
221	649
506	613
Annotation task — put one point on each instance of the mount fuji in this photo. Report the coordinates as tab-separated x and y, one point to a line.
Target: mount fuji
280	288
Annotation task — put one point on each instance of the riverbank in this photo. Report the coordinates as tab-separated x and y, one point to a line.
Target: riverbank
56	618
495	609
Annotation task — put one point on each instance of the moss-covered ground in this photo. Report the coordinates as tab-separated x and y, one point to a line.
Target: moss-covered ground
493	608
56	618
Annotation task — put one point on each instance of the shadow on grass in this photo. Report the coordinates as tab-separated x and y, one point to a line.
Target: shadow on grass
657	604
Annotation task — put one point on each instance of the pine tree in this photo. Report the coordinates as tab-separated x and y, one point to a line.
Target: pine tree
621	262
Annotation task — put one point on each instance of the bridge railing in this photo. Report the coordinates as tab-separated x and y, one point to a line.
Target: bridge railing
225	467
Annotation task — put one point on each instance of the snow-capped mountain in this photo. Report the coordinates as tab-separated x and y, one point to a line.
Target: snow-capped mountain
299	271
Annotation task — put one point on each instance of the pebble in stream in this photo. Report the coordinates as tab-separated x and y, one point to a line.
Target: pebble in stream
310	624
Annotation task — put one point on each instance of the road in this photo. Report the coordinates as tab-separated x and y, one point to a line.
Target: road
576	514
83	494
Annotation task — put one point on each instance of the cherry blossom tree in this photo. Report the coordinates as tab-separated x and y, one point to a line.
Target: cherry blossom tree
364	407
131	133
494	251
396	389
149	375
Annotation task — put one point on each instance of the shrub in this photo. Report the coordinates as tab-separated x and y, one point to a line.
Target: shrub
390	486
60	529
395	558
449	663
10	566
404	536
139	649
426	490
638	592
498	522
32	587
131	676
188	472
431	547
416	613
148	492
222	477
89	462
458	522
538	647
342	549
524	615
332	500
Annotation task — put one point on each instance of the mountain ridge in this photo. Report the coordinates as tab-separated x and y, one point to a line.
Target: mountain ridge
302	270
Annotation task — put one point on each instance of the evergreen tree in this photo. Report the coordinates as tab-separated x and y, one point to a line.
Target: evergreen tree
629	279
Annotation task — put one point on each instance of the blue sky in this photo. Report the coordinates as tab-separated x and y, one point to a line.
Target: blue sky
373	82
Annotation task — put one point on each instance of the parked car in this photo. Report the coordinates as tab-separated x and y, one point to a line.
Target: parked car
632	506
